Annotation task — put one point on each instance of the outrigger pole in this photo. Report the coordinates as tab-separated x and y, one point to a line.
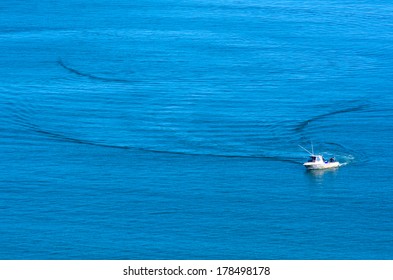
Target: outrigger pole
308	150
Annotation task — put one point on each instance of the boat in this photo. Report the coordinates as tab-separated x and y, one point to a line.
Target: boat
317	162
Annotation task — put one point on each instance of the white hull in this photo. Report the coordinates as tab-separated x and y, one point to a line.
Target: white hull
317	162
317	166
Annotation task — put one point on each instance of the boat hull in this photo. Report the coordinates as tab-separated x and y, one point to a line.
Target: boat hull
317	166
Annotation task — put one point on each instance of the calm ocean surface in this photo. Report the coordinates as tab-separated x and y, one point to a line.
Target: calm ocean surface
163	129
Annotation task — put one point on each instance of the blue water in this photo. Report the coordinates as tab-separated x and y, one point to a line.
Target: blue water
170	129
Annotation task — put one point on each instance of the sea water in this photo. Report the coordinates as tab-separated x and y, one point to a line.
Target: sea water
170	129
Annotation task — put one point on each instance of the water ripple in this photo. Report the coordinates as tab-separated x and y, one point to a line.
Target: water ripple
90	76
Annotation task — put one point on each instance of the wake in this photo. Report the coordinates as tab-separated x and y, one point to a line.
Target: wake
90	76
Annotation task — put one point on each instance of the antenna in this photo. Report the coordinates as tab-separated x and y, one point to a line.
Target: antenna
306	150
312	148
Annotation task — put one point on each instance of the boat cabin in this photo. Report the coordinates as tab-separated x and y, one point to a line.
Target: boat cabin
319	162
320	159
317	159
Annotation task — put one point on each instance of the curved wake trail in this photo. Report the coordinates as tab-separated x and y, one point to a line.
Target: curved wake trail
273	141
263	153
301	126
64	138
90	76
344	154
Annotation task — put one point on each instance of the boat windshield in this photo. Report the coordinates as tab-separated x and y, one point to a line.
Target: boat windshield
312	159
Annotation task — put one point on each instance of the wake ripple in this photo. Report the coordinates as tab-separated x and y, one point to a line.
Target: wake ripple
64	138
90	76
275	141
301	126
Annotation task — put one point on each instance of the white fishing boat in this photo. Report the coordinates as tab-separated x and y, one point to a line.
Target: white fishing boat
316	161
